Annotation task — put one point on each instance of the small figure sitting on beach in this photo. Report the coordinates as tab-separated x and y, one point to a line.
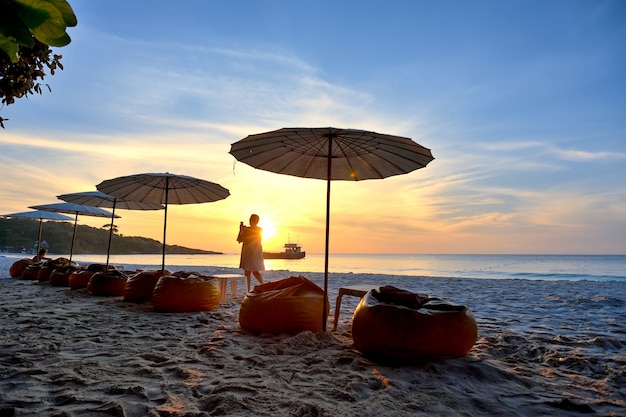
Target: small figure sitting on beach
251	251
41	256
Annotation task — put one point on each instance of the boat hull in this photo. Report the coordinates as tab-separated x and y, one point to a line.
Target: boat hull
283	255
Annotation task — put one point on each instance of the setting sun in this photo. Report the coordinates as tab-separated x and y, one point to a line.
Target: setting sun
269	231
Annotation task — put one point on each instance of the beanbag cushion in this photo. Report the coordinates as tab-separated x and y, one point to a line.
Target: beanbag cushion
60	277
411	328
108	283
18	267
79	278
291	305
139	287
185	292
44	272
99	267
31	272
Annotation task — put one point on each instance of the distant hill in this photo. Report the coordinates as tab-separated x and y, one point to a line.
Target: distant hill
16	233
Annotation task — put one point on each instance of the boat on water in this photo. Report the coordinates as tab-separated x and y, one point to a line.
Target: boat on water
291	251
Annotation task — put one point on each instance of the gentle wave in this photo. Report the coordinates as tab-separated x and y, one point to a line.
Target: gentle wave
527	267
567	277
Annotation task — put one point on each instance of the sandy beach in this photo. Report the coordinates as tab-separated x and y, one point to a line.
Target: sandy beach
544	348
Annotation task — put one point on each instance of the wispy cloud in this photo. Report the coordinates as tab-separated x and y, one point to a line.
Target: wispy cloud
524	127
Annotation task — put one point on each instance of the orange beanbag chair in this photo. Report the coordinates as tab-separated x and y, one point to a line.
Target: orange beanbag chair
290	305
140	286
80	277
185	292
108	283
99	267
60	277
18	267
31	272
397	325
44	272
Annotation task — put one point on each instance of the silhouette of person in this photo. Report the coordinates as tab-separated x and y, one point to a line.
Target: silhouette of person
251	260
41	256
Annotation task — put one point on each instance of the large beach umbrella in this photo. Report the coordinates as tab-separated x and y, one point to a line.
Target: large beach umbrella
100	199
41	215
331	154
163	188
76	210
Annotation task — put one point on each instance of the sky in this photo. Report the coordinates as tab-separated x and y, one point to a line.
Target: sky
521	102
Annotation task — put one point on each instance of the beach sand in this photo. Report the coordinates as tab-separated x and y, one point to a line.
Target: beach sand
544	349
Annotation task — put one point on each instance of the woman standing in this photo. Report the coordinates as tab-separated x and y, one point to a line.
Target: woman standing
251	252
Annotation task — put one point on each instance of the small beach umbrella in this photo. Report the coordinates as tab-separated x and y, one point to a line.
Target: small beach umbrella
331	154
100	199
163	188
76	210
41	215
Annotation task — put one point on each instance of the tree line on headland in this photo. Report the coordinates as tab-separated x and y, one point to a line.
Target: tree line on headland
17	234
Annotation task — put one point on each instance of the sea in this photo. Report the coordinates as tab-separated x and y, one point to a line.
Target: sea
528	267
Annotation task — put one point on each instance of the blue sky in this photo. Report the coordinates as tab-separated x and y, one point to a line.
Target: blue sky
521	102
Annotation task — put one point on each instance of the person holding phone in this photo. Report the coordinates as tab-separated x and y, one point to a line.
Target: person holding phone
251	260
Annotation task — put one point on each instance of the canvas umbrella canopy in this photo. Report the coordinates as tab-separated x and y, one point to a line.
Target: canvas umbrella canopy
100	199
163	188
76	210
41	215
331	154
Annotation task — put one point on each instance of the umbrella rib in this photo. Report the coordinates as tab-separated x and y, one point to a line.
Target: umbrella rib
309	148
316	149
396	152
352	146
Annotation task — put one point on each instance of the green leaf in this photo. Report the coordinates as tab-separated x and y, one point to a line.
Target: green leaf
66	11
33	12
53	27
10	47
46	20
60	41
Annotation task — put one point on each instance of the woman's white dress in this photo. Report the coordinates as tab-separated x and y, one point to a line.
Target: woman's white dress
252	250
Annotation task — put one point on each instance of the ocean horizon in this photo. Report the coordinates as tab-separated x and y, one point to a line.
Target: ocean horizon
497	266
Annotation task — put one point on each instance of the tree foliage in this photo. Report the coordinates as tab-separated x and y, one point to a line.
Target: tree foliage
27	30
18	233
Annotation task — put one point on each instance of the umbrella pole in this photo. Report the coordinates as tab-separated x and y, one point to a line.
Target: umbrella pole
167	189
39	238
73	237
111	232
328	175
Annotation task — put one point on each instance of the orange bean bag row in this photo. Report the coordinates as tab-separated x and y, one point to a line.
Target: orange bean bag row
50	266
185	292
398	329
291	305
